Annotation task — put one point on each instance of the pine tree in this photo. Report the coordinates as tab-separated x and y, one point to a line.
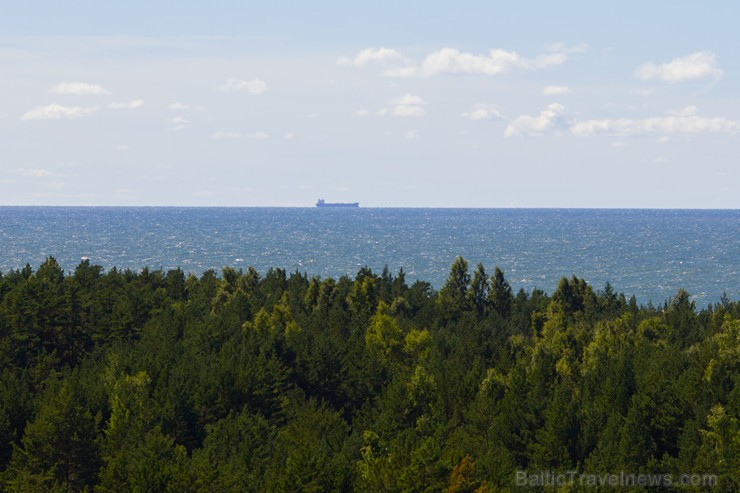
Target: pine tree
500	296
58	448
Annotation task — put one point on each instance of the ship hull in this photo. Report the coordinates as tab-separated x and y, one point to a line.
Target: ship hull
322	203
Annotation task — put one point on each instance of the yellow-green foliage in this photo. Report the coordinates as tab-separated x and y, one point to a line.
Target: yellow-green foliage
384	335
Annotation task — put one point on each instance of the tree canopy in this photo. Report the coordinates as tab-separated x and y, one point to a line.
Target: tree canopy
247	381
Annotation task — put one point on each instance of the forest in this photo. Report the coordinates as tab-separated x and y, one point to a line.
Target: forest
159	381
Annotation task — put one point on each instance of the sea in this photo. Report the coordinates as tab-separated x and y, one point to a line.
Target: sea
646	253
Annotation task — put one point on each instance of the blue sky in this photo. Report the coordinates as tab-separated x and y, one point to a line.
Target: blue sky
414	104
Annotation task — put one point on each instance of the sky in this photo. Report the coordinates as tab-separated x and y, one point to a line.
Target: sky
605	104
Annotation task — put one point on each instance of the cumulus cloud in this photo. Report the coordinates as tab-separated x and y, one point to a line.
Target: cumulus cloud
452	61
670	124
362	113
689	110
178	123
79	89
370	55
407	105
556	90
699	65
131	105
563	48
483	112
56	111
255	86
552	119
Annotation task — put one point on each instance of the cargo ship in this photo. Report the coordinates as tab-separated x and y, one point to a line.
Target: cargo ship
323	203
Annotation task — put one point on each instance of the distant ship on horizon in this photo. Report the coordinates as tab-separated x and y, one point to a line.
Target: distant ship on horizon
323	203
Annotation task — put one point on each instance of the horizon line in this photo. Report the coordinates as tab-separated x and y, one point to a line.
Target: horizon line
151	206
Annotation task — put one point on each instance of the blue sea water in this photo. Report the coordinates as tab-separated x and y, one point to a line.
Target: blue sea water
646	253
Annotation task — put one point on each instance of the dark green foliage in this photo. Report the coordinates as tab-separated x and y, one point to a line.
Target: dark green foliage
576	297
241	381
235	455
453	298
500	295
478	293
58	448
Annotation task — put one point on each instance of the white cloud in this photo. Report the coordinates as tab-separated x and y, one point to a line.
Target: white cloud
550	120
452	61
412	134
131	105
370	55
255	86
683	121
122	148
556	90
563	48
257	136
289	136
641	92
690	110
79	89
408	111
408	100
35	173
362	113
699	65
184	107
483	112
179	123
407	105
56	111
660	125
227	135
